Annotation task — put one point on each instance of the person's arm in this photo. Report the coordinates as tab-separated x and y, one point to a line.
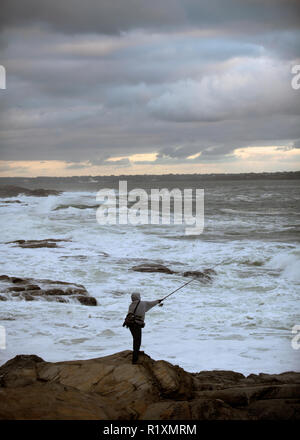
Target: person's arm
150	304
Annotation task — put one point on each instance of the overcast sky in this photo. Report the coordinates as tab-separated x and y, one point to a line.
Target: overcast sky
139	86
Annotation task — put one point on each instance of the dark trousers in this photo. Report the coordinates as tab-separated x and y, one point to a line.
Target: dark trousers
136	332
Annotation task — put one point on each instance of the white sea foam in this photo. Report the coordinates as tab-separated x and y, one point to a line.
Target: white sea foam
288	263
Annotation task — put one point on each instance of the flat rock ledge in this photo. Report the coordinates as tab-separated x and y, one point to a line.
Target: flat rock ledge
111	388
30	289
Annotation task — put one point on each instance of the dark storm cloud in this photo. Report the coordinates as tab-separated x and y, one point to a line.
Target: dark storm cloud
107	16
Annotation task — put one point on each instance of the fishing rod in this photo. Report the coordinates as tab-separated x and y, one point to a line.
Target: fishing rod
161	304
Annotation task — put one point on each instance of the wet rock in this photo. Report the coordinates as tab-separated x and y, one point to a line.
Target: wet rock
235	397
11	201
13	191
217	377
75	290
16	280
112	388
22	288
193	273
276	409
167	410
53	292
209	271
29	290
152	267
287	377
200	409
19	371
62	300
33	287
215	409
205	275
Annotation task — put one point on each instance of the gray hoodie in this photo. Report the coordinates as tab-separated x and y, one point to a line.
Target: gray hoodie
143	306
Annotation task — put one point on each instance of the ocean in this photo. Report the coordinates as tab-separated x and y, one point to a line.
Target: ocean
242	320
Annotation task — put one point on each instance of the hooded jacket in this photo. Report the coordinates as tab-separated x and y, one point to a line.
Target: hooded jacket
142	308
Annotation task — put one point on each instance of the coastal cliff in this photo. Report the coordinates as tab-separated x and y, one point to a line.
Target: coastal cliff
111	388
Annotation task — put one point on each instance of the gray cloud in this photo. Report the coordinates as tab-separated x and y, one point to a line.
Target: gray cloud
75	166
120	163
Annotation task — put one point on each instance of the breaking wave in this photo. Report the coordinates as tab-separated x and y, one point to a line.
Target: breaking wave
288	264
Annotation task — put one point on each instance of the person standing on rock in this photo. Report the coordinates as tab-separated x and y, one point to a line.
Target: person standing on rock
138	308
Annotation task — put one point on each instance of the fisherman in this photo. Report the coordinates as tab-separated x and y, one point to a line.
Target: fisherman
139	308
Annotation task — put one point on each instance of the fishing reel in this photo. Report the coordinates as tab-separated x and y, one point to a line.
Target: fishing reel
160	304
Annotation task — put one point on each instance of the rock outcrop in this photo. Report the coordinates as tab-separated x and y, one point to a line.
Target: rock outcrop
30	289
111	388
205	275
13	191
152	267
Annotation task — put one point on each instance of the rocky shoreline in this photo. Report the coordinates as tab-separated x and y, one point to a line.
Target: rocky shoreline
111	388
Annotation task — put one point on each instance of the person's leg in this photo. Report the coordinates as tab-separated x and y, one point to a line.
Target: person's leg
136	332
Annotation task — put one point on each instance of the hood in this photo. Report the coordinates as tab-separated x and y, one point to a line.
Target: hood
135	297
